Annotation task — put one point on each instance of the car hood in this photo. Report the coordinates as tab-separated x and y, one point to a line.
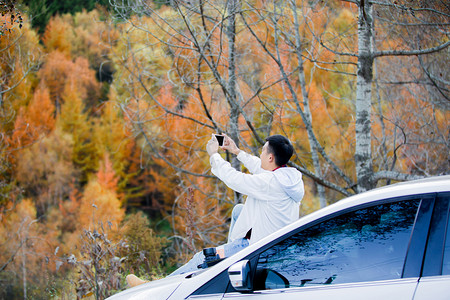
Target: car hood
155	290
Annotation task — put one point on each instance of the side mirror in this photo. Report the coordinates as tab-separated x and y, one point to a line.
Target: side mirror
240	278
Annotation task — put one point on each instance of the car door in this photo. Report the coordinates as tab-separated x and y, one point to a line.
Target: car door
435	278
357	254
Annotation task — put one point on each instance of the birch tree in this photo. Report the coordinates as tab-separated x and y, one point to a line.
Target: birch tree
427	14
436	39
363	58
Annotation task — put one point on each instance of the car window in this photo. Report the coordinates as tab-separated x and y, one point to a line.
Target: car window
432	265
446	260
363	245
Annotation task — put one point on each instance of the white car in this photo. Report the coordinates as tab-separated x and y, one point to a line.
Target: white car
388	243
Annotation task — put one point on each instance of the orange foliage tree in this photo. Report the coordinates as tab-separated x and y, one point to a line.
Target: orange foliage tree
58	36
20	53
59	72
100	204
34	121
175	142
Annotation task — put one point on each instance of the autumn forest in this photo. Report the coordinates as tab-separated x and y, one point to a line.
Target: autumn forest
106	108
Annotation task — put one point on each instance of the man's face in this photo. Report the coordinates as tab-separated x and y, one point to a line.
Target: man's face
266	158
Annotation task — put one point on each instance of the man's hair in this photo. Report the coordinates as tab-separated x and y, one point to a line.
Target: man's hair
281	148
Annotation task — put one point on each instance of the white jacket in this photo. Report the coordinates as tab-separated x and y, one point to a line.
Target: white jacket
273	197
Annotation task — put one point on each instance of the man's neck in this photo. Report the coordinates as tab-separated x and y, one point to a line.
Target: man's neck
278	167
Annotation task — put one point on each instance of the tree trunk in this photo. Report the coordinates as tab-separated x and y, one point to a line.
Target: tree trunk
24	266
306	108
363	152
232	7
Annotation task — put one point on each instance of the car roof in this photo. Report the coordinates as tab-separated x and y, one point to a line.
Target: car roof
401	189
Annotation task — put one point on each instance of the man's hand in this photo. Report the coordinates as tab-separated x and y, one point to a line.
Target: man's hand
230	145
212	146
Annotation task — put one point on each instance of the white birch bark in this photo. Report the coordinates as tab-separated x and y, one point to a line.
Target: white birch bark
363	152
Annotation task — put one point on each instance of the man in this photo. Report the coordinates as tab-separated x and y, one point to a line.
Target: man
274	192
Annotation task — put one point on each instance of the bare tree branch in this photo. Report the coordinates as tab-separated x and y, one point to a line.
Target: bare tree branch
411	52
156	152
396	176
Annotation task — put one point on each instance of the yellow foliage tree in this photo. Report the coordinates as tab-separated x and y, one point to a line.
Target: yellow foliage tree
144	249
58	35
45	170
75	121
116	140
100	204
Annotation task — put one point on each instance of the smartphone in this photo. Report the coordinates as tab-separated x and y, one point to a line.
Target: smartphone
219	139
